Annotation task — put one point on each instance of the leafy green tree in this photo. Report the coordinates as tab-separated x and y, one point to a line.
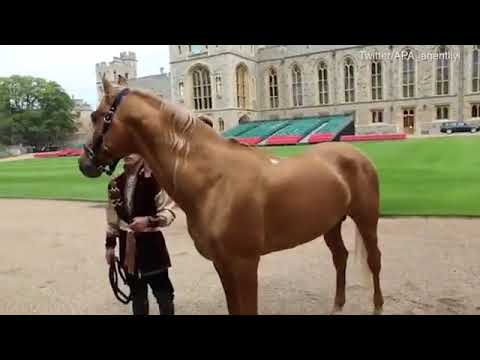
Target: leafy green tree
34	111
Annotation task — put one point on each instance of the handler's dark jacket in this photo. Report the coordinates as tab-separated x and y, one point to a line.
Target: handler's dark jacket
146	199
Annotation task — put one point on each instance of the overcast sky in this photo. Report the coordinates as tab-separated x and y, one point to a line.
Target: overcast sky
73	66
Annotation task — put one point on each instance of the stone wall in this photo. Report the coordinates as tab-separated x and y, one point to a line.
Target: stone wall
223	59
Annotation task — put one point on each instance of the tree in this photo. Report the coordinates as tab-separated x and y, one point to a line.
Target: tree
34	111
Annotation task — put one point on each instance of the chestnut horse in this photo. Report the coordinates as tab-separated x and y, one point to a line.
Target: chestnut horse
240	202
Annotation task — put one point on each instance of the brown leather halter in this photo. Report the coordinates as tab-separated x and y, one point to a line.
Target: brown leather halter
98	142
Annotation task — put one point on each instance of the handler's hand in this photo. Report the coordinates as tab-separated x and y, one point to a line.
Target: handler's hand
110	255
139	224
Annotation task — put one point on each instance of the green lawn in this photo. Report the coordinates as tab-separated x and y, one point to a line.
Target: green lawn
54	178
418	177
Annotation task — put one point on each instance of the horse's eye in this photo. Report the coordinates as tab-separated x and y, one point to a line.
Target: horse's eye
93	117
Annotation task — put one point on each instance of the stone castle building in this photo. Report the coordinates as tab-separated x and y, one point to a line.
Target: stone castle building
126	65
388	88
81	112
405	88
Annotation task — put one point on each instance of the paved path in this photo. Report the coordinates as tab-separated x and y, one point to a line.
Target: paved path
19	157
52	263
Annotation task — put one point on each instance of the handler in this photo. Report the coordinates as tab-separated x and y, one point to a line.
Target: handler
137	209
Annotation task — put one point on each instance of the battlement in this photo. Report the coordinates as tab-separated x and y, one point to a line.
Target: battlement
124	57
125	65
128	55
102	64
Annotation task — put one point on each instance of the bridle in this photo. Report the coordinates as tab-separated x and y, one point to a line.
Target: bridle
98	143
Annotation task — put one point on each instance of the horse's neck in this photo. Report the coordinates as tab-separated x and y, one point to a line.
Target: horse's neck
185	172
197	171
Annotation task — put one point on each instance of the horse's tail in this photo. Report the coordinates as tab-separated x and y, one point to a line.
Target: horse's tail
360	256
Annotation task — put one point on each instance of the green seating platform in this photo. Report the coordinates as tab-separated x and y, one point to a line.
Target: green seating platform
238	130
291	131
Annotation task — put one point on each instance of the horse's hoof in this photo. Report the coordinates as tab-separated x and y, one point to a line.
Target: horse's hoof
337	310
378	311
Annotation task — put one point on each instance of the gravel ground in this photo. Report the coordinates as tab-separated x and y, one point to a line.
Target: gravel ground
16	158
52	262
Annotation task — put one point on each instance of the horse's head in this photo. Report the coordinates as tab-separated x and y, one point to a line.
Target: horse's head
109	142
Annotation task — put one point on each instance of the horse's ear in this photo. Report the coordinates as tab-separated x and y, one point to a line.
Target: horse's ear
107	87
122	81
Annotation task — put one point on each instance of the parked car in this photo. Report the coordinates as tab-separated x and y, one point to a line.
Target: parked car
458	127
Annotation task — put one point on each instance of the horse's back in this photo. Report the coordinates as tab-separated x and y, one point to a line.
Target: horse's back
333	150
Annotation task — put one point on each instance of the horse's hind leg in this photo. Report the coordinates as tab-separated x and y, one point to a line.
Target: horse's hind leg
334	241
368	230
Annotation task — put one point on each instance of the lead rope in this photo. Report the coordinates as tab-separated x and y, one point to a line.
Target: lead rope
114	272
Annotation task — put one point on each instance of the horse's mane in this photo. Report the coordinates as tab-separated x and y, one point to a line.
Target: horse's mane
251	148
183	121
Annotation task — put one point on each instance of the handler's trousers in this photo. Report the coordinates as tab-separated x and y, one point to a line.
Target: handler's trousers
162	289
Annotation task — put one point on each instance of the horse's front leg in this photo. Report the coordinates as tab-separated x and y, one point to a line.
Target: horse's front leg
239	277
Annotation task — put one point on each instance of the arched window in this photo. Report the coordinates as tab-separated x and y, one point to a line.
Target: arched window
219	85
323	83
242	86
349	75
442	112
475	110
221	124
377	89
297	87
273	88
408	74
443	66
243	119
409	120
476	68
180	89
377	116
254	88
202	92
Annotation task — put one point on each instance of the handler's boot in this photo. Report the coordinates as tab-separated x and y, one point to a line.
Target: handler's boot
140	307
139	293
165	303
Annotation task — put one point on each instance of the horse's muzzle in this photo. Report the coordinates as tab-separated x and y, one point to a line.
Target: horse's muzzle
88	168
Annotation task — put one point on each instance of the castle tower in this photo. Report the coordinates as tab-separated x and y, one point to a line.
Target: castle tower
130	60
125	65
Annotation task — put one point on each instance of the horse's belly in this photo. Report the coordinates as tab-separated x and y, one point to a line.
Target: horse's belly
302	212
298	231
